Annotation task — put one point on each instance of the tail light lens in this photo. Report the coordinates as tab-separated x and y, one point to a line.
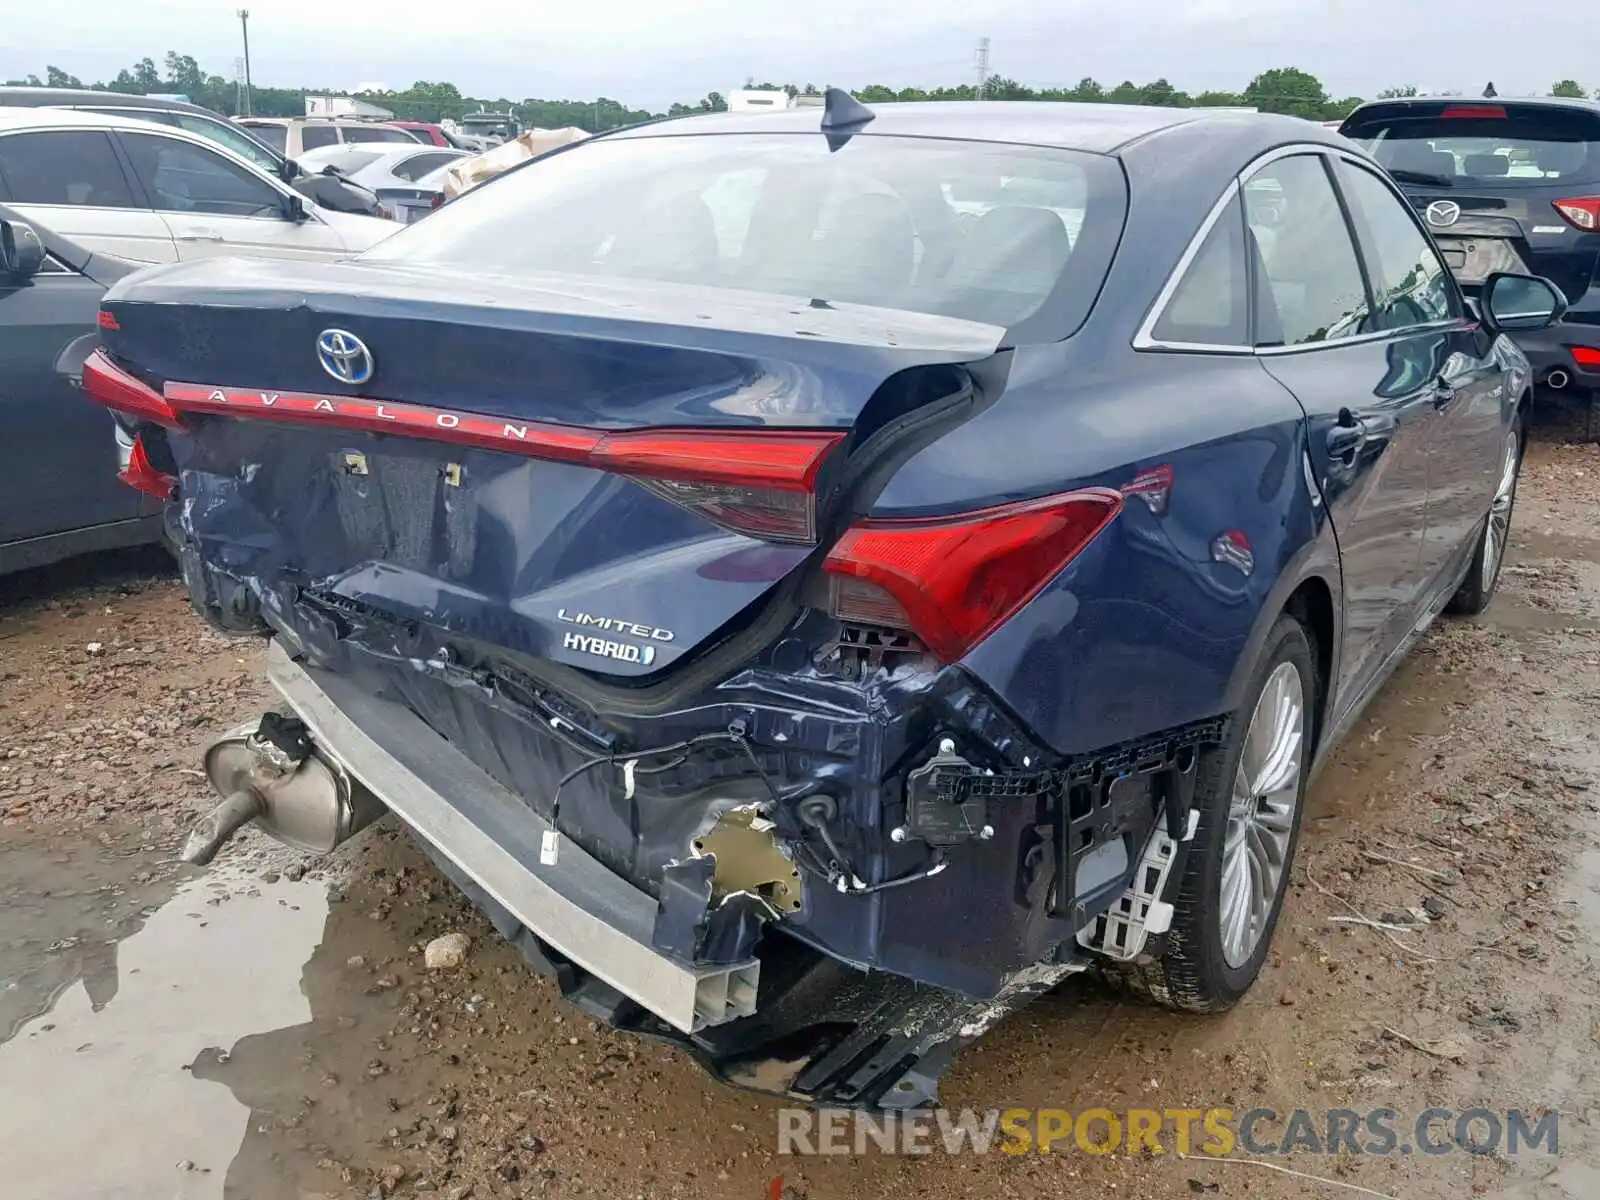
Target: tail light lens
1585	357
108	384
760	483
952	581
1480	112
138	474
1582	212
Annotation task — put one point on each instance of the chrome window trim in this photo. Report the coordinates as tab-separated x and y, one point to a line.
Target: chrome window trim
1144	339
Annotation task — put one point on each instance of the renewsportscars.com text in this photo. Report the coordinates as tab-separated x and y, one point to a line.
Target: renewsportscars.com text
1260	1132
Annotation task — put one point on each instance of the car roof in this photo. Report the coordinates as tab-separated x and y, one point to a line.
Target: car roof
17	96
1096	128
51	118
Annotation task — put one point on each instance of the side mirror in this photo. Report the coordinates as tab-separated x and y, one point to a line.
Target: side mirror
1521	303
21	251
294	208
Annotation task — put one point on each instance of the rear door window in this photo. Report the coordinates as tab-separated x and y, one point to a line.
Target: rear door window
314	137
1311	286
375	133
181	177
74	167
1211	305
418	165
1410	284
1482	144
275	136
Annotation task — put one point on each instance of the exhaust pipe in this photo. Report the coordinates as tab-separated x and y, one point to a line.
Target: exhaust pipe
273	774
1557	379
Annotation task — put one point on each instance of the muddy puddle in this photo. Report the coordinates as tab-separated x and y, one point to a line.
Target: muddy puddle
119	981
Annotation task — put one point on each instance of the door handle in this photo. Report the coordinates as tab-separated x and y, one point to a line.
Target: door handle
1347	436
1443	393
200	235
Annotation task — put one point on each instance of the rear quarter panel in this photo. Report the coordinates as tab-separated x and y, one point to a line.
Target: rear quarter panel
1147	628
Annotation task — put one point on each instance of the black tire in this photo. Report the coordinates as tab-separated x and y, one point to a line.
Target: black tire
1193	974
1478	588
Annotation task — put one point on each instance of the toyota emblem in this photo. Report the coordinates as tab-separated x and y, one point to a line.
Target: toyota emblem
1443	213
344	356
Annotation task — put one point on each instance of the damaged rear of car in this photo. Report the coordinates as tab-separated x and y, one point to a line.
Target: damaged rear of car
630	528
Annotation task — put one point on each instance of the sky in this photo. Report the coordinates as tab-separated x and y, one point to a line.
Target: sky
649	54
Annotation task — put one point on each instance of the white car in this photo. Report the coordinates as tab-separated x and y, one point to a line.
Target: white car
377	166
156	194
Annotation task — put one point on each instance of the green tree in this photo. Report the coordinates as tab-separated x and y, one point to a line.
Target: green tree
184	74
57	78
145	77
1398	93
998	87
1163	95
1288	90
1219	100
1569	88
1087	92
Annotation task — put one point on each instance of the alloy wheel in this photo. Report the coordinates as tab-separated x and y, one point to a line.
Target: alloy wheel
1261	815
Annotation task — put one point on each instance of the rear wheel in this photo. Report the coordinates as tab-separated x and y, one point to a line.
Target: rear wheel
1249	794
1477	589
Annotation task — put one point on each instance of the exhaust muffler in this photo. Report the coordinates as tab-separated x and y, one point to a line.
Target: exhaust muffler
1557	379
272	773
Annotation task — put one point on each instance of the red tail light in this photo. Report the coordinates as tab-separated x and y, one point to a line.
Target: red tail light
762	483
108	384
107	320
953	581
142	477
1482	112
1585	357
1582	212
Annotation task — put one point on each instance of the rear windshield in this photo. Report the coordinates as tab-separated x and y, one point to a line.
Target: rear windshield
993	233
276	136
1486	145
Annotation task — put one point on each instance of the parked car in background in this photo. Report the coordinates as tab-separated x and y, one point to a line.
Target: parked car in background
293	136
327	192
394	174
149	193
431	134
1506	185
58	495
814	635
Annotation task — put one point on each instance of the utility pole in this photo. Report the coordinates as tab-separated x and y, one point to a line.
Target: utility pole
982	62
244	26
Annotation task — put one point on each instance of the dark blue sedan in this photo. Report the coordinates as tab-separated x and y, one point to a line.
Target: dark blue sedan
818	579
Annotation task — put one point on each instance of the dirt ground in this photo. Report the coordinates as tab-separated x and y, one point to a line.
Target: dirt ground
267	1029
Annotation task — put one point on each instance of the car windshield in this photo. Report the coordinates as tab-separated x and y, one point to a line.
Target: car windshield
978	231
1484	145
275	136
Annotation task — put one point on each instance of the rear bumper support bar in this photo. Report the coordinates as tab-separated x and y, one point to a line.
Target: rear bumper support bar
580	907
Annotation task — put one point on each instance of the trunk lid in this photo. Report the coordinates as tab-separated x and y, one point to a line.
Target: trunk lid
602	475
